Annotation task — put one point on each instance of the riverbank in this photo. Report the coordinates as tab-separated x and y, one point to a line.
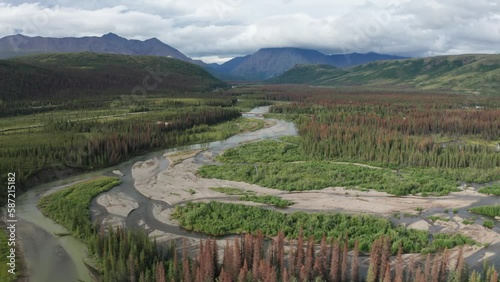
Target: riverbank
7	274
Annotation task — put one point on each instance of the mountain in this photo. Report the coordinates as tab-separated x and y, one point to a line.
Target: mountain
64	75
18	45
354	59
307	74
473	73
271	62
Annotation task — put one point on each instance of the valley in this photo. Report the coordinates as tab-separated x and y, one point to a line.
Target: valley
153	187
122	186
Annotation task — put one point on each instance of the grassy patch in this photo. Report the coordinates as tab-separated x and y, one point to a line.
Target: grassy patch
487	210
268	200
265	151
247	195
206	133
434	218
491	190
4	252
221	219
232	191
488	224
468	221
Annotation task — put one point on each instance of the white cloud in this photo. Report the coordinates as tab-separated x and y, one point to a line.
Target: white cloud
218	29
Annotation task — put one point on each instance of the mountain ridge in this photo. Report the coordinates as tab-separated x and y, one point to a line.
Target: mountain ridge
18	45
263	64
271	62
478	73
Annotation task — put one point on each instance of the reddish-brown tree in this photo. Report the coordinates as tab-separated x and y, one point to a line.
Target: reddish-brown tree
309	261
375	258
435	272
494	277
186	271
224	276
355	263
334	266
427	269
318	270
399	265
303	275
344	272
443	267
257	253
237	262
248	249
387	274
386	255
299	258
243	272
160	272
280	250
285	277
324	253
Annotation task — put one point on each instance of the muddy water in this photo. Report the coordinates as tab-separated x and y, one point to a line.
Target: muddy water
47	256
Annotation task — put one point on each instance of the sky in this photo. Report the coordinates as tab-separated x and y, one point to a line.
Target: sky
217	30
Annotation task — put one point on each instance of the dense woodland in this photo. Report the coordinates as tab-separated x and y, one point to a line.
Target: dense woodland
398	130
71	75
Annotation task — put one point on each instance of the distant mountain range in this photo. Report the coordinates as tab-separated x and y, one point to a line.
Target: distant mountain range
477	73
17	45
265	63
271	62
473	73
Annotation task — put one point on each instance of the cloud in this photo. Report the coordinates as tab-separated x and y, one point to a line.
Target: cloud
218	29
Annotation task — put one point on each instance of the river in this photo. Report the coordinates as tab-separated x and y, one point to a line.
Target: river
50	258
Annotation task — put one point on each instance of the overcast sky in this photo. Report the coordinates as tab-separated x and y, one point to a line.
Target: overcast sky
216	30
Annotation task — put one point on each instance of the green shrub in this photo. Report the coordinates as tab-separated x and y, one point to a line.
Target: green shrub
218	219
488	224
491	190
491	211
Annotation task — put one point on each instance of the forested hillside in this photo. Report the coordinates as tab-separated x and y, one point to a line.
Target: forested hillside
74	75
471	73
